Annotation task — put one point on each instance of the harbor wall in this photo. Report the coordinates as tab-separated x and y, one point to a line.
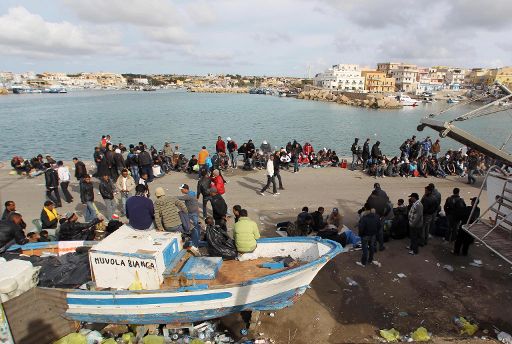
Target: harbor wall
368	100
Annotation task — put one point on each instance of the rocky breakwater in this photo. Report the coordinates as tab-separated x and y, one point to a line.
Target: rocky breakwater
218	90
368	100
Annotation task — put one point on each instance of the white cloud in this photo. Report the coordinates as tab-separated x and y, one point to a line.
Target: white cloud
136	12
169	35
202	13
24	33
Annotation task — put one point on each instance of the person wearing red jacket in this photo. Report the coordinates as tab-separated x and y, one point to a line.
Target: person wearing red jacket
220	146
218	182
308	149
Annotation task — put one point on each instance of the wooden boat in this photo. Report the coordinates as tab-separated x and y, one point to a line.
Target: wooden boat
239	285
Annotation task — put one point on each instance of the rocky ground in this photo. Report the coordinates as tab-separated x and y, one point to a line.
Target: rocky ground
333	311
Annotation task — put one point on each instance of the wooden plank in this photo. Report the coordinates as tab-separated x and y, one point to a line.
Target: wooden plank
36	316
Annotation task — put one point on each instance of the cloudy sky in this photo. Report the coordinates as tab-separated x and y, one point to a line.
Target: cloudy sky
264	37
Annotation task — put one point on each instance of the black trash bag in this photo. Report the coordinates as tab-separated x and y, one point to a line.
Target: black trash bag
67	271
220	244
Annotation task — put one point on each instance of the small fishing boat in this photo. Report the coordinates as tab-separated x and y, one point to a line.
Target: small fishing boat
452	101
255	281
405	100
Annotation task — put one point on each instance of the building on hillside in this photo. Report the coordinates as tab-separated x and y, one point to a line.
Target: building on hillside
377	81
454	78
477	78
343	77
405	77
140	81
502	75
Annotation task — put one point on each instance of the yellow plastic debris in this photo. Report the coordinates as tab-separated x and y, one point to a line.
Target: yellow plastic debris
136	284
153	339
196	341
420	335
109	341
128	338
467	327
72	338
390	335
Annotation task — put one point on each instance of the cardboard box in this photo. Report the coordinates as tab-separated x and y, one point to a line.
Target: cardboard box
127	254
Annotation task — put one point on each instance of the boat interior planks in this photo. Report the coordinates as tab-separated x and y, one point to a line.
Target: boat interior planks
231	272
36	316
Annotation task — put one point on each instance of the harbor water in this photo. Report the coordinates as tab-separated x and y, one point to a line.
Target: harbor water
68	125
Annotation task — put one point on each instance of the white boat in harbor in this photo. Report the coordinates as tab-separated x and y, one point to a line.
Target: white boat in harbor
405	100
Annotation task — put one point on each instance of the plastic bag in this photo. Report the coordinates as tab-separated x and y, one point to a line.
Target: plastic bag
128	338
153	339
72	338
109	341
94	337
219	243
420	335
390	335
465	326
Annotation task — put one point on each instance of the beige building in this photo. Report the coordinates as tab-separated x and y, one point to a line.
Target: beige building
502	75
477	77
388	67
377	81
406	77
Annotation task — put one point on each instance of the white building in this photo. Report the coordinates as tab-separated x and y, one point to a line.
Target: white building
455	77
343	77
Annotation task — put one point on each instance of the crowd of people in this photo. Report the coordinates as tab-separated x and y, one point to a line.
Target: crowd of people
126	172
419	158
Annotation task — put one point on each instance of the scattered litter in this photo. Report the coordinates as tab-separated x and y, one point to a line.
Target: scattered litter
401	275
448	267
465	326
72	338
376	263
278	213
403	314
244	332
394	280
390	335
271	315
504	337
426	260
420	335
351	282
462	267
438	265
476	263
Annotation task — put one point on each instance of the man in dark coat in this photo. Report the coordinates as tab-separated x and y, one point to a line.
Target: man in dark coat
464	239
51	179
369	226
366	153
80	169
219	207
71	229
453	207
11	232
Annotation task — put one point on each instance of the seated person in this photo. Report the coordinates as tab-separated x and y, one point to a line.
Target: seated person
11	232
335	219
191	163
245	233
318	219
49	216
71	229
303	160
335	161
157	170
305	221
113	225
44	236
33	237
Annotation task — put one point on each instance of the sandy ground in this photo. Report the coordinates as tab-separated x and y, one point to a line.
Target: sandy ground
332	311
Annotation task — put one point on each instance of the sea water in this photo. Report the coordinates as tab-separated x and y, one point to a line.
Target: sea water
68	125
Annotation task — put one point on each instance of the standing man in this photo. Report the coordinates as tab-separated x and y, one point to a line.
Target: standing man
464	239
146	164
366	153
220	146
369	226
415	217
201	158
472	166
80	169
126	185
219	208
203	189
167	208
107	189
353	149
277	167
51	179
189	197
64	178
429	213
87	198
233	152
139	210
270	177
453	207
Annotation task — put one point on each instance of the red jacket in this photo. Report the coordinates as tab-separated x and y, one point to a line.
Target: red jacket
220	146
219	184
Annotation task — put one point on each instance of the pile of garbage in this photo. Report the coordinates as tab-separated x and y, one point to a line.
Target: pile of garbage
207	332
